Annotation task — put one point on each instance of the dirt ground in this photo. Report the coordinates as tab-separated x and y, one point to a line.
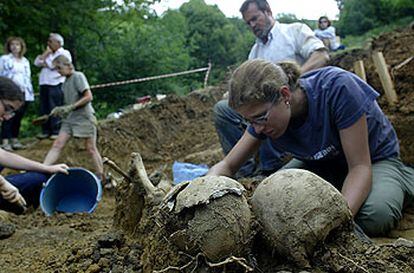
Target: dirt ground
180	128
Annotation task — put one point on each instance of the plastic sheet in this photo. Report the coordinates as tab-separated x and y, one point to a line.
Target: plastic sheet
187	171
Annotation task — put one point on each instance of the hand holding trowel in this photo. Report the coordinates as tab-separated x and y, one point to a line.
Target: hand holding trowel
59	111
42	119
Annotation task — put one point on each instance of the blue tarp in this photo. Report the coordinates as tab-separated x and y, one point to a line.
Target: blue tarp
187	171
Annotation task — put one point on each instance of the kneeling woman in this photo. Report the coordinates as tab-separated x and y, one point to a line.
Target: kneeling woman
329	121
20	190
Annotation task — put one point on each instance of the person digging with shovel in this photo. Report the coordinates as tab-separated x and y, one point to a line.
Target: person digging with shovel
78	115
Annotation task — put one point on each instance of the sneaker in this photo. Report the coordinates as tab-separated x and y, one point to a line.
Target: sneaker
42	136
53	137
7	147
17	145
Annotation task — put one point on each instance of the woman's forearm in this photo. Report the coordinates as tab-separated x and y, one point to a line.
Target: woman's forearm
17	162
220	168
357	186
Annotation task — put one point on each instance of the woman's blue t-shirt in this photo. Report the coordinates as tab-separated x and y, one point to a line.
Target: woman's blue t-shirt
336	99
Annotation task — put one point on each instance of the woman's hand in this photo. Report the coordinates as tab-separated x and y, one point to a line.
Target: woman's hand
58	168
11	193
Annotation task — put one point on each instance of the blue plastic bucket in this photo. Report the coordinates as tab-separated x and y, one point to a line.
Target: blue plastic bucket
80	191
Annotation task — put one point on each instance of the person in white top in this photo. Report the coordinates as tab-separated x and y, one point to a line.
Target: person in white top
326	33
50	81
16	67
275	42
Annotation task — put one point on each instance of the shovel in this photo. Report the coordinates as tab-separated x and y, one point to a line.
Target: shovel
40	120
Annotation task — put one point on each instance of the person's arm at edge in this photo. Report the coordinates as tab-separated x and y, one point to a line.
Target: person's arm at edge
14	161
319	58
245	147
2	65
358	181
86	97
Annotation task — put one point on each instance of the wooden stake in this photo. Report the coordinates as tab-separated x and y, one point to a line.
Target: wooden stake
360	70
207	74
385	77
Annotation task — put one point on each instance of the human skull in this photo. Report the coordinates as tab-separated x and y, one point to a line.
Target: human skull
209	215
298	209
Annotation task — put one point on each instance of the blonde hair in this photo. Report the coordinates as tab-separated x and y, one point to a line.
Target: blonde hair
7	45
62	60
257	81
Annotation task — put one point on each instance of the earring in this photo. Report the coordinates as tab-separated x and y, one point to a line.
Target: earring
287	102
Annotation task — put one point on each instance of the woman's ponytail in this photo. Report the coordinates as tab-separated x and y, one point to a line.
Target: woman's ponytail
292	71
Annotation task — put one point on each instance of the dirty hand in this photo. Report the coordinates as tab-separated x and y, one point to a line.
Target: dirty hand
11	193
58	168
62	111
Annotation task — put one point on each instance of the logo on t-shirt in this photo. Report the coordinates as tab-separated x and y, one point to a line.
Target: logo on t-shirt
329	151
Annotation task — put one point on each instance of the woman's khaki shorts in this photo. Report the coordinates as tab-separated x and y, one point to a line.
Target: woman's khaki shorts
84	128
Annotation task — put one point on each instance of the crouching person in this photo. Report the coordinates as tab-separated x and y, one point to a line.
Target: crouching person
77	113
331	123
21	190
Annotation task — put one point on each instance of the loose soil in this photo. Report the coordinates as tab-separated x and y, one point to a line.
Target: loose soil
180	128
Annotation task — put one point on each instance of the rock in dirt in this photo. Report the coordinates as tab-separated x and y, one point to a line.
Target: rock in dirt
6	229
110	240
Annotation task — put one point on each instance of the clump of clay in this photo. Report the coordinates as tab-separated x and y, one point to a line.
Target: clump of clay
297	209
208	215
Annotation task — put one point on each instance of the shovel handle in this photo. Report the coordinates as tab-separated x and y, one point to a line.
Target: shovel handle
40	120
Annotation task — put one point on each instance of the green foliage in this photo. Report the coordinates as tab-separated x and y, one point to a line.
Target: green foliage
360	16
359	41
286	18
212	37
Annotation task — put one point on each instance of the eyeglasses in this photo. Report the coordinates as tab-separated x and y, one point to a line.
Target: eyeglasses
262	119
8	110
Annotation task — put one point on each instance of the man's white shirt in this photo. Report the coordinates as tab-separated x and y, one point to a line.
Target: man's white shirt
48	74
287	42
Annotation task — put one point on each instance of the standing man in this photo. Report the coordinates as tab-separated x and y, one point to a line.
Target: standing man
275	42
50	81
